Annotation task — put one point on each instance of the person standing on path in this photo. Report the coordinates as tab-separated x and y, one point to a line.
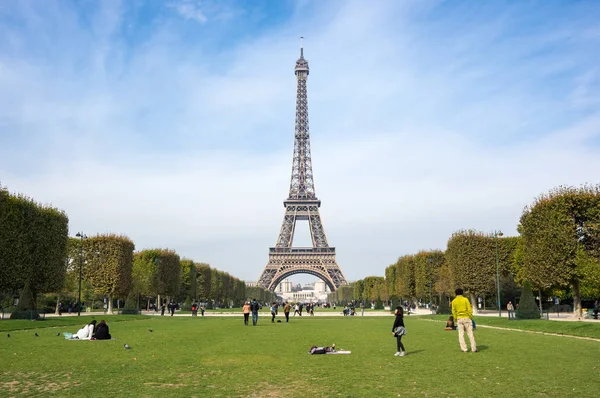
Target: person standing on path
398	331
286	311
273	312
463	316
162	309
246	310
254	307
511	310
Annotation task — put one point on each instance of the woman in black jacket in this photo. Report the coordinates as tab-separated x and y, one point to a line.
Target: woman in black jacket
398	331
101	332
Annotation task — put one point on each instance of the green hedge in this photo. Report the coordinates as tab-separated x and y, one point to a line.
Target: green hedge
33	247
527	308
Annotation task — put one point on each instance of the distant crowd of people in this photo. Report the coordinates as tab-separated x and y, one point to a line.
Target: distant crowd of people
253	307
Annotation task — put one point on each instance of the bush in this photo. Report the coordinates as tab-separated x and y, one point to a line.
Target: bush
187	306
129	311
31	315
378	304
130	303
394	302
444	307
527	308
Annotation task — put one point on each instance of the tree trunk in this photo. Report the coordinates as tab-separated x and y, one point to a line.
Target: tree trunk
576	300
109	304
158	301
474	302
540	301
57	303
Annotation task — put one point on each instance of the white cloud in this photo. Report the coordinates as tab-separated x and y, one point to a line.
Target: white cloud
189	9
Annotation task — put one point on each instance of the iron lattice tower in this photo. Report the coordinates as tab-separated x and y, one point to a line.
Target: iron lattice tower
302	204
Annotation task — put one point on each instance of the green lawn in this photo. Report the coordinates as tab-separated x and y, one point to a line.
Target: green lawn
220	357
581	329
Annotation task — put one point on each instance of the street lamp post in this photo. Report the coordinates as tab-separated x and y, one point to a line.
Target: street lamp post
195	282
82	236
497	235
430	262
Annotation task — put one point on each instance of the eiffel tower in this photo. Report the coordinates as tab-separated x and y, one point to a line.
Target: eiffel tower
302	204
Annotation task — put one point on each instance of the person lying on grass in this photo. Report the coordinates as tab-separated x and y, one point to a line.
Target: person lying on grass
85	333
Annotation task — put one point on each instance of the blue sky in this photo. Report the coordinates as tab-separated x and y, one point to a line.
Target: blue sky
172	122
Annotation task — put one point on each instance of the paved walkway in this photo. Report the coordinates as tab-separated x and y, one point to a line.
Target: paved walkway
421	311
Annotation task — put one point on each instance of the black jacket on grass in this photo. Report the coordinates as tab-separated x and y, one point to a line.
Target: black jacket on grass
102	332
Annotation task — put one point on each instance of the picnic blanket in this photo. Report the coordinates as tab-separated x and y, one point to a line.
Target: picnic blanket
69	336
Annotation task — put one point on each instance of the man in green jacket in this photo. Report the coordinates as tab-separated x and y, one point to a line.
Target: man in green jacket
463	316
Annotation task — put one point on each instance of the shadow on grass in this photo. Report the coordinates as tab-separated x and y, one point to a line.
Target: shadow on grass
413	352
482	347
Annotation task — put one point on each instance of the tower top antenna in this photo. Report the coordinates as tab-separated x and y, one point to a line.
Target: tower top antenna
301	47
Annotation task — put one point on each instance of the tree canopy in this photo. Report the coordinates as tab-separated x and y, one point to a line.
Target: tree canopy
561	239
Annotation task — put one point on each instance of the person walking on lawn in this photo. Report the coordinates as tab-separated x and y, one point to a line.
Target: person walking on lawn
246	310
254	307
286	311
463	316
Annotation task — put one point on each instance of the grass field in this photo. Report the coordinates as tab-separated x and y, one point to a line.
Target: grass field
220	357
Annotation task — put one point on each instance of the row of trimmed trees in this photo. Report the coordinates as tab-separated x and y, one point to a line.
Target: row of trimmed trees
111	268
37	257
557	251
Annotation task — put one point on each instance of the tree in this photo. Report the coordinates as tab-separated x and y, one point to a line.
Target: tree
405	277
143	274
187	287
390	281
216	289
109	264
471	256
444	306
33	246
426	265
204	280
373	288
71	284
168	273
358	290
157	271
561	240
527	309
444	285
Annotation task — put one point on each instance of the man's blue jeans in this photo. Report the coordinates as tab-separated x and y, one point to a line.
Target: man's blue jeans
254	318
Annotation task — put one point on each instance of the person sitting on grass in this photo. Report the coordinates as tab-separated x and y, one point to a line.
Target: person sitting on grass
101	332
86	332
450	324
